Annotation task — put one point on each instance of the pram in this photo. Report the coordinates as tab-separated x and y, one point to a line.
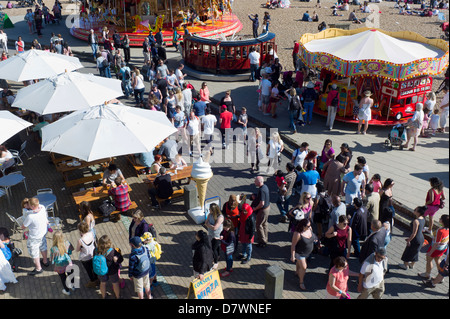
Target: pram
10	251
396	137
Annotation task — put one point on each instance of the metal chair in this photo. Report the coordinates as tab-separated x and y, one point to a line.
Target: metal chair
16	225
17	154
51	207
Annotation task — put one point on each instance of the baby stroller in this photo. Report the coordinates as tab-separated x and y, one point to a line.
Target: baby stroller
396	137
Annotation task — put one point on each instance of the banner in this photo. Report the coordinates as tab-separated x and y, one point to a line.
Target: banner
208	288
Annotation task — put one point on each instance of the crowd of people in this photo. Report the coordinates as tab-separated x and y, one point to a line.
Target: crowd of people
340	207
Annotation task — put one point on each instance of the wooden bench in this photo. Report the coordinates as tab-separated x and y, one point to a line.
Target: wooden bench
98	215
139	169
176	193
84	180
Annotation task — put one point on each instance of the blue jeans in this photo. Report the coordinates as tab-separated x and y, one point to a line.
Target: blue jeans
355	242
292	115
108	72
283	207
229	261
308	106
139	95
102	69
247	250
94	47
253	68
127	88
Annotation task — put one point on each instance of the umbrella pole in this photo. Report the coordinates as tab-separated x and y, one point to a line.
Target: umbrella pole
125	15
171	13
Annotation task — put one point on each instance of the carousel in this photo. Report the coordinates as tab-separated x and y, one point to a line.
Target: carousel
206	18
397	67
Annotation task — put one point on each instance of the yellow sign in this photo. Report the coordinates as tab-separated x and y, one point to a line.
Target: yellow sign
208	288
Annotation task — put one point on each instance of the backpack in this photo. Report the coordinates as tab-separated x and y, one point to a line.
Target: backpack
105	63
294	104
250	225
143	263
99	264
127	74
106	208
325	206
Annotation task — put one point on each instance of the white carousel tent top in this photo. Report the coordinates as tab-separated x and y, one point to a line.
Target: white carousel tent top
374	45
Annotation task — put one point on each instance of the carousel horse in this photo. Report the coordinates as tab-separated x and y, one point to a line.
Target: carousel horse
158	24
184	17
139	26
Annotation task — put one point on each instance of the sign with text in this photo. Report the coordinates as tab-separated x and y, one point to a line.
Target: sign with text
208	288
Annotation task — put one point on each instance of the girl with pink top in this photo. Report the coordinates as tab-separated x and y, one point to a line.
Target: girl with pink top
337	279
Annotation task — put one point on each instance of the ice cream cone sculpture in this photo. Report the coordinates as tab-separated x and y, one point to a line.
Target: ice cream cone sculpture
201	174
202	185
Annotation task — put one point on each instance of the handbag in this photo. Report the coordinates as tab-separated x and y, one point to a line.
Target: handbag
106	208
442	203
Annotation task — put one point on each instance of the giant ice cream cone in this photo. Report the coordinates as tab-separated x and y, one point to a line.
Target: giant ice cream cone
201	174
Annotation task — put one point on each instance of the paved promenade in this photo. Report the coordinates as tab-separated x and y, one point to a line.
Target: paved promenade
176	229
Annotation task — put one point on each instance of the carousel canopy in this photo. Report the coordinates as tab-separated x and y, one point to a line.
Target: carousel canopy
371	52
374	45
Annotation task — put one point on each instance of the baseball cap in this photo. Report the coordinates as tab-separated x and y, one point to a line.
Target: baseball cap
136	241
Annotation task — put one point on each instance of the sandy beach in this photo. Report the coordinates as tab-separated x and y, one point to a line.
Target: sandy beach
287	25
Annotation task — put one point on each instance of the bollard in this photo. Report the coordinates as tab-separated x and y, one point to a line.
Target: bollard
190	196
274	282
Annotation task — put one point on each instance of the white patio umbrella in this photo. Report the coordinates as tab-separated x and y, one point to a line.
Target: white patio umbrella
37	64
69	91
10	125
106	130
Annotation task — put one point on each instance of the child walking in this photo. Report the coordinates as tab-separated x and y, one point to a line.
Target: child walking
154	248
113	260
60	257
281	183
86	246
228	243
139	267
434	121
376	182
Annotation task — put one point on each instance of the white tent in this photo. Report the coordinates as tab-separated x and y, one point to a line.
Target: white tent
37	64
374	45
105	131
69	91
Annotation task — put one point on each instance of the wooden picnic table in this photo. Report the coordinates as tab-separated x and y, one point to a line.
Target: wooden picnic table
93	194
176	175
65	169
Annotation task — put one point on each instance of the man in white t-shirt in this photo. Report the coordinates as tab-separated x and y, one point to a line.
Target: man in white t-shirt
193	129
444	110
37	224
254	57
371	275
171	79
180	75
187	99
266	86
208	122
299	155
